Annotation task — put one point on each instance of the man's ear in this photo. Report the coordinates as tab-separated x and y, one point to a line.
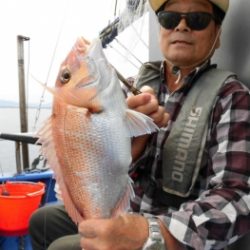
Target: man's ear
217	45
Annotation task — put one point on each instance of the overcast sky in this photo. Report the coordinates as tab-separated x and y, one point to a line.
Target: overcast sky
43	21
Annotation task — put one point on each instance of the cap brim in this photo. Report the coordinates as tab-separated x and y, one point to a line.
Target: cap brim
222	4
156	4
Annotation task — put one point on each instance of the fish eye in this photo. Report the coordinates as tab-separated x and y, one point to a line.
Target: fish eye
65	76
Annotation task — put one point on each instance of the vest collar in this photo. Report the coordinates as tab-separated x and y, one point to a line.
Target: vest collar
189	78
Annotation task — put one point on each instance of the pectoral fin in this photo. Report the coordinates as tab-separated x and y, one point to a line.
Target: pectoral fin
139	124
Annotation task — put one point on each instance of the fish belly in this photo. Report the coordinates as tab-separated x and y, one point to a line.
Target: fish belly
94	156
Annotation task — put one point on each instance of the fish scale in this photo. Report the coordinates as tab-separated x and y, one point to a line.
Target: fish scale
87	139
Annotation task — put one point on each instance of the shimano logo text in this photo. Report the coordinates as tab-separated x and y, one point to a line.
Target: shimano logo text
184	144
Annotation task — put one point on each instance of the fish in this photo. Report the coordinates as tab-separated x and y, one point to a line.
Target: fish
87	138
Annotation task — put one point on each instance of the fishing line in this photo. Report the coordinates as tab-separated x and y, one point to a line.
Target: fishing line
130	15
65	17
119	53
109	33
134	10
115	8
126	49
139	37
142	10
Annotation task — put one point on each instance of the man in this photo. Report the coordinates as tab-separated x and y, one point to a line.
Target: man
197	205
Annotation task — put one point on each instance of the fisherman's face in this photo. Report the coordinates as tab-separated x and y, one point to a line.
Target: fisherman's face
183	46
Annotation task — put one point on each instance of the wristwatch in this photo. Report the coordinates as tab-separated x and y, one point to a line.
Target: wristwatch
155	240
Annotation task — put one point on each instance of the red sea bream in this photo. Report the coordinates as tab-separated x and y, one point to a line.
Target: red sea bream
87	139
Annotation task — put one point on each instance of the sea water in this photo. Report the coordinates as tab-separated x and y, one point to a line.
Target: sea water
10	123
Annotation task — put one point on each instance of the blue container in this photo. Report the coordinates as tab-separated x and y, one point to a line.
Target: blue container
22	242
15	243
43	176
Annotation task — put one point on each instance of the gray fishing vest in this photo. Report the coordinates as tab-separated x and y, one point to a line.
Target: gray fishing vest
185	144
184	147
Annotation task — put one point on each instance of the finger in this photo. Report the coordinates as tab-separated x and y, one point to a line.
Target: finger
164	121
161	117
147	89
87	229
149	108
135	101
89	244
157	116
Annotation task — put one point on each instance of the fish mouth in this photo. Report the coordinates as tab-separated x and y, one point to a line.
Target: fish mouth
85	82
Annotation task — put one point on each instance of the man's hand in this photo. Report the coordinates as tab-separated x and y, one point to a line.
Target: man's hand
125	232
147	104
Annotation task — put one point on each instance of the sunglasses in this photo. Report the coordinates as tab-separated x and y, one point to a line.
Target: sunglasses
194	20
